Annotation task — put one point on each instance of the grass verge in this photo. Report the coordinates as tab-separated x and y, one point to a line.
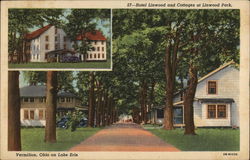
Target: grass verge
32	139
205	140
80	65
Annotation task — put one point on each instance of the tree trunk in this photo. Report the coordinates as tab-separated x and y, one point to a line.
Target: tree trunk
188	101
143	101
151	99
168	111
91	100
84	46
111	111
51	102
14	135
23	51
136	116
108	110
104	109
99	103
114	115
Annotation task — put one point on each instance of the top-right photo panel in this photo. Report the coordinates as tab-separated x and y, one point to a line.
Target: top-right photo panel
184	66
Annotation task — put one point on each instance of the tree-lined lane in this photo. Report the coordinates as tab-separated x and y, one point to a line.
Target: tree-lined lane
124	137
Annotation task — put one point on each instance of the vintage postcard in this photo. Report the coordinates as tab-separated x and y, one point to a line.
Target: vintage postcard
125	80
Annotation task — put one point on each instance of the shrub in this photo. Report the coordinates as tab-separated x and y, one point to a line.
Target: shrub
70	59
74	119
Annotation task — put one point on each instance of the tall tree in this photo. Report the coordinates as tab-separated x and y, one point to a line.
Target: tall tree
14	135
205	50
91	107
51	95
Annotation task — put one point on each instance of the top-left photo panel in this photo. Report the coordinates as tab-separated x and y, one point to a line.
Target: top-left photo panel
78	39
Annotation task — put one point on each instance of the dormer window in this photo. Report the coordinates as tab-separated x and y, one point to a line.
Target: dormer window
212	87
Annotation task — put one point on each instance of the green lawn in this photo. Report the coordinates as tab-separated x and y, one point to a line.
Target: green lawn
81	65
205	140
32	139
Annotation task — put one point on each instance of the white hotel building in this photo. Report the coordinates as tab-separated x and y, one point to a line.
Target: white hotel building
50	40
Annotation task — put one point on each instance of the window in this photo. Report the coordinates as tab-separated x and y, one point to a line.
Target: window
62	100
32	114
178	115
212	87
217	111
47	46
42	100
221	111
32	99
55	30
95	42
56	46
103	55
102	42
99	55
47	38
211	111
94	55
160	113
64	38
87	55
55	38
37	56
64	46
41	114
90	55
26	114
26	99
102	48
93	48
37	47
67	99
34	47
98	48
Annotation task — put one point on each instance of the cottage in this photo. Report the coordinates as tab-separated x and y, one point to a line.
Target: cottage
33	104
51	44
216	102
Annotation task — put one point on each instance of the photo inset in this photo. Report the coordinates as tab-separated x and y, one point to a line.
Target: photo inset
59	38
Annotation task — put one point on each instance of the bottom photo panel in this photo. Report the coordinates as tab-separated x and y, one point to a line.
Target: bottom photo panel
106	111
